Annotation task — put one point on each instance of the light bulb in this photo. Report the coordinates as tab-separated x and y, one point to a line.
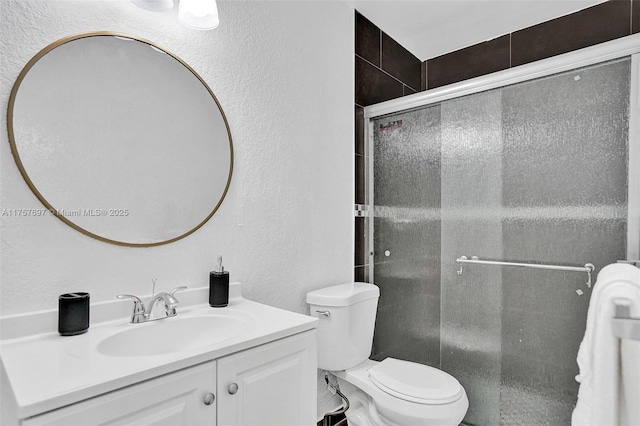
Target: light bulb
154	5
199	14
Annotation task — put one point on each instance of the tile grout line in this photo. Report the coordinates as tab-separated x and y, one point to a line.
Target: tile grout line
630	17
395	78
510	35
380	39
426	75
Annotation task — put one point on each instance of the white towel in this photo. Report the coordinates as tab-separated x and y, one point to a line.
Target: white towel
609	378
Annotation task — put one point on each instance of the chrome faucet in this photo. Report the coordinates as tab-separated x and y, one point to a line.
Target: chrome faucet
141	314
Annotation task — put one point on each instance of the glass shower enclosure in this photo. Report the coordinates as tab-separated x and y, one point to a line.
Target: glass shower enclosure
537	167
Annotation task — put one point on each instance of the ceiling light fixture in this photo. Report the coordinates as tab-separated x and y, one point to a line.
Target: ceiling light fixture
197	14
154	5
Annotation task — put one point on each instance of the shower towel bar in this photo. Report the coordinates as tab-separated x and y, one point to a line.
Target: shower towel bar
624	326
588	267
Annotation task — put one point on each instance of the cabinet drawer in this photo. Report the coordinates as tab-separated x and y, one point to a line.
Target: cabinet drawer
173	399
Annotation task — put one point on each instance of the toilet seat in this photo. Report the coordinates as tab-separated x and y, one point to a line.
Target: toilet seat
399	411
415	382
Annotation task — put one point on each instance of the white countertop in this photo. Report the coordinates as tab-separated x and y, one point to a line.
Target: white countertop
47	371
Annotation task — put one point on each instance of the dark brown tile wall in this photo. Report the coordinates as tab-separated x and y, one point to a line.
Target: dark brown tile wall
359	125
383	70
408	91
597	24
361	274
360	179
368	38
473	61
400	63
360	257
374	85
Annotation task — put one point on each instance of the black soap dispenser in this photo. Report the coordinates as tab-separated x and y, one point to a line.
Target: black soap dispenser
219	286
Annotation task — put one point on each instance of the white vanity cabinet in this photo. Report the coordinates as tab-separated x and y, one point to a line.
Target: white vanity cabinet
248	364
270	384
174	399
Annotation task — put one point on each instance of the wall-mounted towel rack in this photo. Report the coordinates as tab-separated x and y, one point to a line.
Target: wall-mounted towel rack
588	267
623	325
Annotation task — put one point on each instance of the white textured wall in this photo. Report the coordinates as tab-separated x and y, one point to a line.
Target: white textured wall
283	72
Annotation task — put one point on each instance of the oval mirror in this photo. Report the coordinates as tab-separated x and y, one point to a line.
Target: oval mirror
120	139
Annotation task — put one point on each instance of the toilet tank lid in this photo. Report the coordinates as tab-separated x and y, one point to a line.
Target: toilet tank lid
343	294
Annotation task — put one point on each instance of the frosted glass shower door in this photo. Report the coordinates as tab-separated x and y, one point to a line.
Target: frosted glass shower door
471	304
564	201
534	172
407	236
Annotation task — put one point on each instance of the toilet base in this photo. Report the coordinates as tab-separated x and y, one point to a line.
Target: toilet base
370	406
362	411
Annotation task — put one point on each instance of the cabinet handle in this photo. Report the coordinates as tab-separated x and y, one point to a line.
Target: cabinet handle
233	388
209	398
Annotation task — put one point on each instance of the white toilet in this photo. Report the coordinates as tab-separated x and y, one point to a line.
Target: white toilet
391	392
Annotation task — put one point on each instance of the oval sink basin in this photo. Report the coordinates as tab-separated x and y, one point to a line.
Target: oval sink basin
171	335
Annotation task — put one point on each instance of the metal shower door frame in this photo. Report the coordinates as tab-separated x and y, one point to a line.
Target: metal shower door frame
623	47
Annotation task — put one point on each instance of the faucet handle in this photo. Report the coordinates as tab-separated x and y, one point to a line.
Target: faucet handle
177	289
136	299
138	307
171	309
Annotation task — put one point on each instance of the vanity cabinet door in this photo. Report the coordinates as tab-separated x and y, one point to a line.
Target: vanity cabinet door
272	384
174	399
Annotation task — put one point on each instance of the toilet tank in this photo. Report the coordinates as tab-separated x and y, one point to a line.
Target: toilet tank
347	315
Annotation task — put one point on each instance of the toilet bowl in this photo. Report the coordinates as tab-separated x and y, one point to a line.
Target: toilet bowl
390	392
446	404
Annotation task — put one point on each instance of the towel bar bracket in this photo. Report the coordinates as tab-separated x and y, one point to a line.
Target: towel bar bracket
623	325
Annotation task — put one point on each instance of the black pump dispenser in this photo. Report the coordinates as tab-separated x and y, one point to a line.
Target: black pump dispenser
219	286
